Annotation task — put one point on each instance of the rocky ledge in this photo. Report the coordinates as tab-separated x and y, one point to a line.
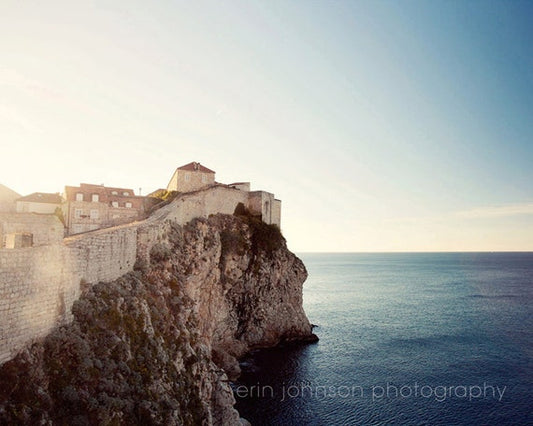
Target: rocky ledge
157	345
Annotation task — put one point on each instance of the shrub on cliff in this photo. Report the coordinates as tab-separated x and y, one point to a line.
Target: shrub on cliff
241	210
158	199
232	241
160	252
265	238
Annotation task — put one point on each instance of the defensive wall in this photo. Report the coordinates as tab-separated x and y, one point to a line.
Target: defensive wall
46	228
38	285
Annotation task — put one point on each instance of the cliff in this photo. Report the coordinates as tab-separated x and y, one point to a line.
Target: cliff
154	346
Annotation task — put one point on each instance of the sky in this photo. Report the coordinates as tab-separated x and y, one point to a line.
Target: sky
381	125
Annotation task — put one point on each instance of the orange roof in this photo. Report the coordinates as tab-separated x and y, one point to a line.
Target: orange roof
103	191
195	167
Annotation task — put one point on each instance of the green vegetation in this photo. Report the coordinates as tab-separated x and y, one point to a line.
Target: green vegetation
241	210
233	242
59	213
265	238
158	199
160	253
164	195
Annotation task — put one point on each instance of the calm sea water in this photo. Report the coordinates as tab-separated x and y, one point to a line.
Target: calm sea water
405	339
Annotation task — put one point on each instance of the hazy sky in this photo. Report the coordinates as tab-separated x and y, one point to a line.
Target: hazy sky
382	125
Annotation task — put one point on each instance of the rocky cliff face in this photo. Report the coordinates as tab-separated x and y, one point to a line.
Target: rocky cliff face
154	346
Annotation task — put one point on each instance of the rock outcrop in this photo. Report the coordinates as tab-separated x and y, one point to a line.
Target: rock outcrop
157	345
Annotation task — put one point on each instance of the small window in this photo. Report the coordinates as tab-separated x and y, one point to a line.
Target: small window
95	198
125	193
114	193
114	203
128	205
187	177
95	214
204	178
78	213
79	196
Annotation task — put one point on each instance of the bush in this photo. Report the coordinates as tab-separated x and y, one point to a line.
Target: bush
160	253
265	237
241	210
232	241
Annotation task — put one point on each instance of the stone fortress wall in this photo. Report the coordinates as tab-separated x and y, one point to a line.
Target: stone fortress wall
38	285
46	229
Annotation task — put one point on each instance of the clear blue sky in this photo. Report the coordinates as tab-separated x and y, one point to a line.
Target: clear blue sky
382	125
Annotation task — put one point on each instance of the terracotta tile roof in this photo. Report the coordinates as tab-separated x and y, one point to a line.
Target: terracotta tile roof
42	197
194	166
103	191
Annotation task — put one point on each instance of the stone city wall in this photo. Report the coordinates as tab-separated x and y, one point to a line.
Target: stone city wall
46	229
39	285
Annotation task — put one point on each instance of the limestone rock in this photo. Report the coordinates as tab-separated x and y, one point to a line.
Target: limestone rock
156	346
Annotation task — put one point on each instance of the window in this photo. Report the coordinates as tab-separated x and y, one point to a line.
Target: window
114	193
79	196
128	205
78	213
114	203
125	193
204	178
95	214
95	198
187	177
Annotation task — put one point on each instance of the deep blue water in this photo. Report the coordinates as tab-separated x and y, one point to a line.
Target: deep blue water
405	339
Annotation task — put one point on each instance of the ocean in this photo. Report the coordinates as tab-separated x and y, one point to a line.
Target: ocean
405	339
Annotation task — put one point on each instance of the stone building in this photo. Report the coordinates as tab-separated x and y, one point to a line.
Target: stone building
266	205
88	207
38	202
44	229
221	198
29	221
191	177
7	199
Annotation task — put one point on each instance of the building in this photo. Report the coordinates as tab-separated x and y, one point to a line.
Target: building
243	186
266	205
38	202
191	177
88	207
16	229
7	199
224	198
29	221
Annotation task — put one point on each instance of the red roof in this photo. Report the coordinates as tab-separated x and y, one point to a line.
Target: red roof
195	167
42	197
104	191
